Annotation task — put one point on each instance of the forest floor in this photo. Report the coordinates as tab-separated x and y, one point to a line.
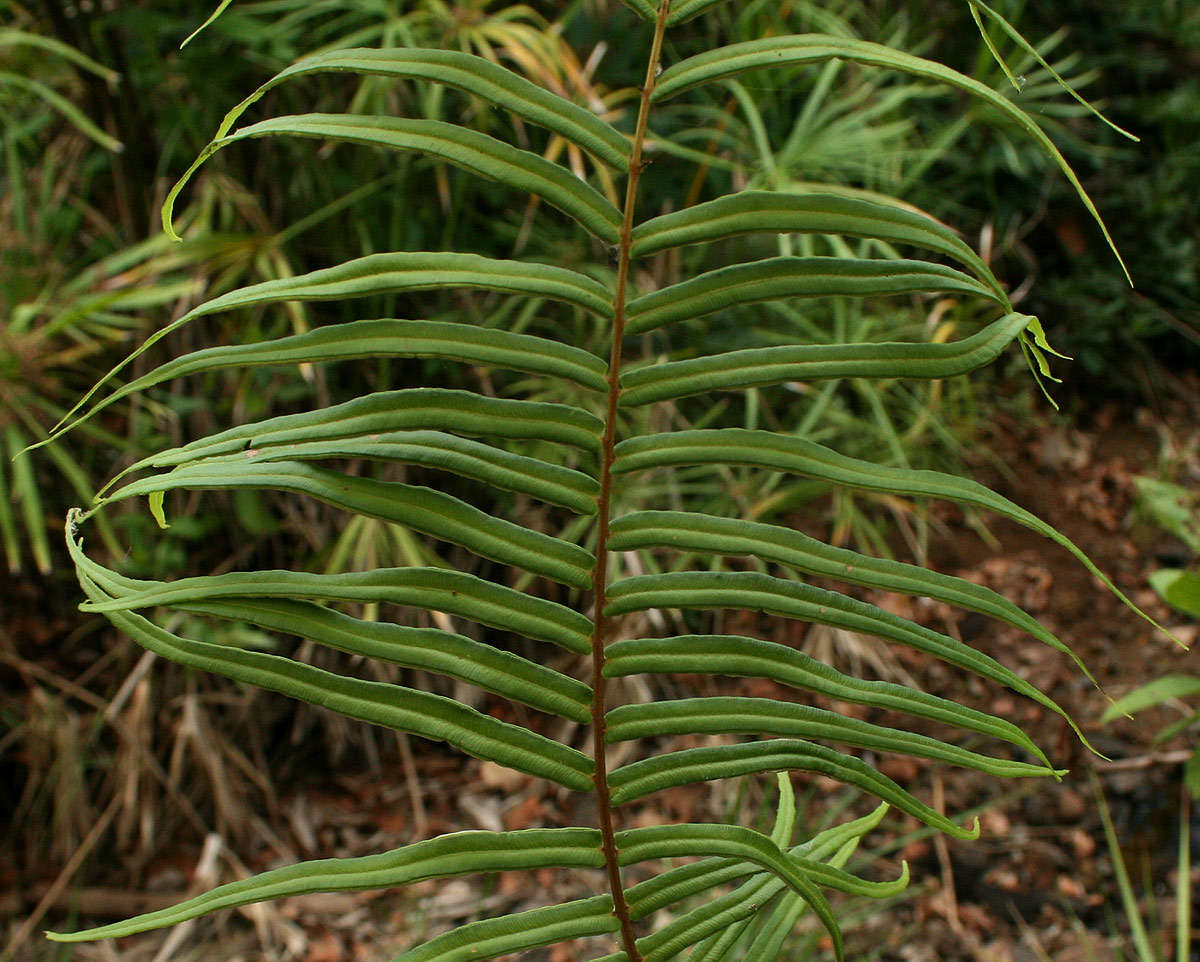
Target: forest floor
217	802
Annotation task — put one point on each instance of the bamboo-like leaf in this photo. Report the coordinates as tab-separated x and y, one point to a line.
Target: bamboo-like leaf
738	715
437	589
799	456
792	599
749	657
10	37
459	853
819	212
781	277
642	778
490	938
387	274
788	51
1156	692
445	652
474	75
758	367
403	709
462	412
420	508
1019	39
72	114
466	458
692	531
672	841
477	153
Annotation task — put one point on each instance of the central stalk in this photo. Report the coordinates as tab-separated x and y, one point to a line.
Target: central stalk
604	513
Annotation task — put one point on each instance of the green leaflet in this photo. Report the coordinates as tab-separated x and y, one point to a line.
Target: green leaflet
438	589
390	274
758	367
403	709
643	8
780	277
748	657
673	841
462	412
698	877
420	508
474	75
684	10
444	652
814	48
796	455
735	715
472	151
531	929
446	452
385	338
418	271
819	212
692	531
459	853
792	599
642	778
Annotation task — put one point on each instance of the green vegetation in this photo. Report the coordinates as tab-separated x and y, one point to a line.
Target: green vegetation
610	340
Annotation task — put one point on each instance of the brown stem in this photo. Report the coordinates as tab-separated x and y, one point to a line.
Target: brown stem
600	575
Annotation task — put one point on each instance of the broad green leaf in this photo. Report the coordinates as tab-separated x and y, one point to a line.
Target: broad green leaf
387	274
760	211
758	367
459	853
474	75
796	455
420	508
435	589
793	599
789	51
430	649
674	841
477	153
782	277
751	658
462	412
490	938
1161	690
1179	589
402	709
737	715
642	778
692	531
